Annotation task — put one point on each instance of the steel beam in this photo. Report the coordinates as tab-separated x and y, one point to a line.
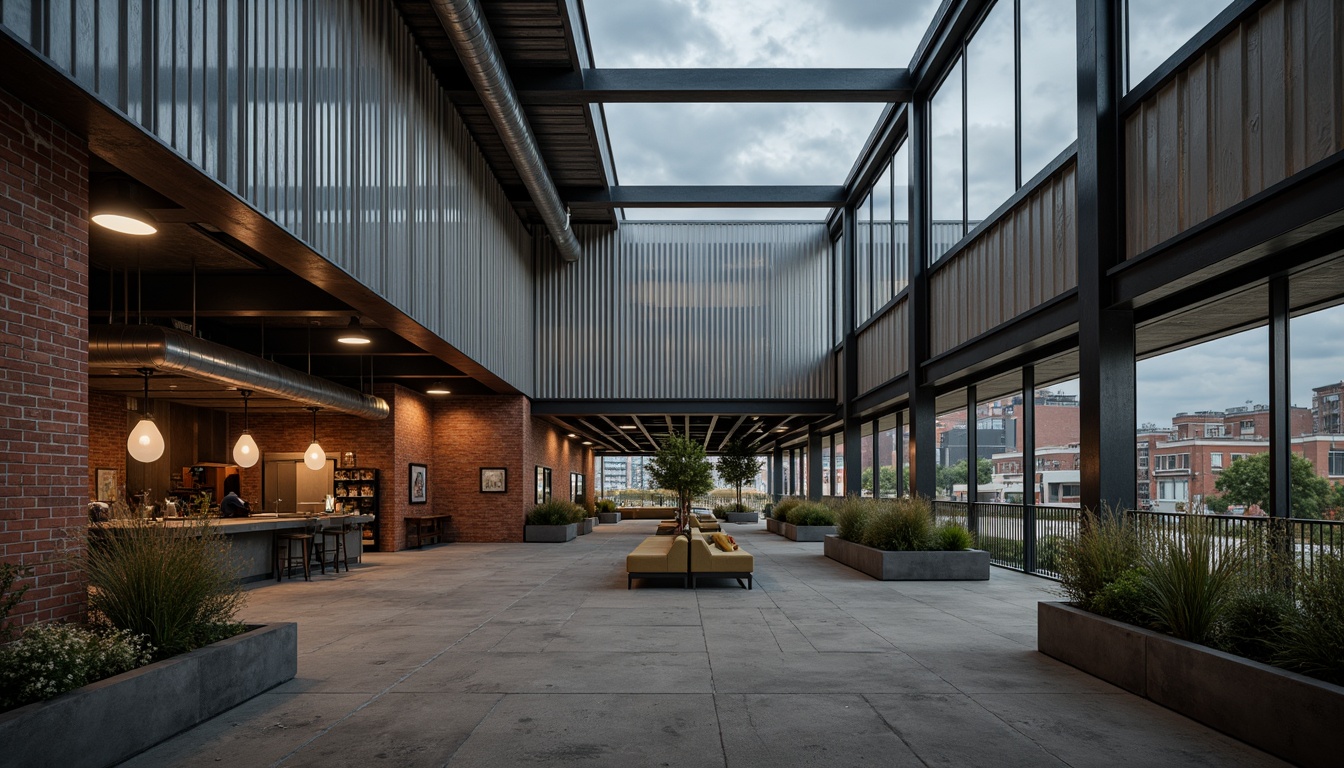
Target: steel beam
698	196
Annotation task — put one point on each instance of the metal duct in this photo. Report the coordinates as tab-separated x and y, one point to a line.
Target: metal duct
167	349
466	27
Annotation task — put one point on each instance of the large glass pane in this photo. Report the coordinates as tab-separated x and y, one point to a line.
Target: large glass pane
888	448
1195	402
1049	82
900	201
838	465
1156	28
991	121
826	465
868	457
881	261
863	248
945	203
1057	440
1317	380
951	435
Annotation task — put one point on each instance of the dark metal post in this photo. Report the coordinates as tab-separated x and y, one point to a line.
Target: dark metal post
923	450
1028	417
1280	427
777	472
877	459
972	459
813	464
1105	335
852	439
899	454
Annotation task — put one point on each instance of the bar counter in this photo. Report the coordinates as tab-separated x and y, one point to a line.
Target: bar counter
252	537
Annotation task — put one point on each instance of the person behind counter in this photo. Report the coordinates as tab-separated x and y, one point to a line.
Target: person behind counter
232	506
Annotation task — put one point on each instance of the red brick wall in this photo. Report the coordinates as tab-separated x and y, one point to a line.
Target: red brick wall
107	438
413	442
470	433
44	336
548	446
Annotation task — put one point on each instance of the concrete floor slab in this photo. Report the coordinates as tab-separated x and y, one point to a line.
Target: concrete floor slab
515	654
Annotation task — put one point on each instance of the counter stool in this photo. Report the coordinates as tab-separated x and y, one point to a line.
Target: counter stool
284	556
334	538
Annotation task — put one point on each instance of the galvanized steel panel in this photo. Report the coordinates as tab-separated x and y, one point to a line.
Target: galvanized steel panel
687	310
323	115
884	348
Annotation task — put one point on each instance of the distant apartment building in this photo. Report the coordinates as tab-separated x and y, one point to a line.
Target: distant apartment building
1325	409
623	472
1054	478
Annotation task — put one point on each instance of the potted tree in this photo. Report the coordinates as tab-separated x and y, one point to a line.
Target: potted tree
738	465
681	466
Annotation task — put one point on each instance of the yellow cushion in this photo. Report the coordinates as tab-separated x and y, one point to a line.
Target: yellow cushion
724	541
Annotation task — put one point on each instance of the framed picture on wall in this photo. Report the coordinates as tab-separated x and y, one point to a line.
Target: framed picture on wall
419	484
494	480
106	484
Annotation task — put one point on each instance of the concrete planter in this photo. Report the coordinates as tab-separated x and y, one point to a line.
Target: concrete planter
806	532
743	517
589	523
772	525
584	526
104	723
1286	714
966	565
608	518
550	534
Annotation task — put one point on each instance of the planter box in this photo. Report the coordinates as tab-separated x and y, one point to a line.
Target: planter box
743	517
550	534
772	525
1286	714
806	532
608	518
966	565
108	721
584	526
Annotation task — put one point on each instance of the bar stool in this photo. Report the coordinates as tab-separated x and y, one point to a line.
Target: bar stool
284	556
339	552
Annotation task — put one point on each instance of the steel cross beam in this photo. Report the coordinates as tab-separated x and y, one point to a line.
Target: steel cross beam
700	86
698	196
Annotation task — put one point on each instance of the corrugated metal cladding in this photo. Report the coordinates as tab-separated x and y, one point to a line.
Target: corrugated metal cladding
883	348
687	310
323	115
1259	106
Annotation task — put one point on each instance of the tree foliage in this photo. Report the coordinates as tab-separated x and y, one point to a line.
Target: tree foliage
888	480
950	476
1246	481
681	465
738	465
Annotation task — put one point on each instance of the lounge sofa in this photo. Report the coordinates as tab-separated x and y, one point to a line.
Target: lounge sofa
687	557
709	525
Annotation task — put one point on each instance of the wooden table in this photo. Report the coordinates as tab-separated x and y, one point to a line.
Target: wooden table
422	527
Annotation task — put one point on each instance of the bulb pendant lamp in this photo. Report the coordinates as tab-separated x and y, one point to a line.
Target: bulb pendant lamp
245	452
314	457
354	333
145	443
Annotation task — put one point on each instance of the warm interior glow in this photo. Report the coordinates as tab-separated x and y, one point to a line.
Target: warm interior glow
145	443
315	458
245	453
350	338
123	224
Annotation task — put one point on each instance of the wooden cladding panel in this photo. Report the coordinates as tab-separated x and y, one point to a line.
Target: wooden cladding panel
883	348
1263	103
1026	258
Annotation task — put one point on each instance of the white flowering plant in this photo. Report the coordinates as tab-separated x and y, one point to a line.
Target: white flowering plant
50	659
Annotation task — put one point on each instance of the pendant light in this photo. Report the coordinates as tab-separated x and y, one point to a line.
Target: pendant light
354	333
438	388
113	206
145	443
315	458
245	453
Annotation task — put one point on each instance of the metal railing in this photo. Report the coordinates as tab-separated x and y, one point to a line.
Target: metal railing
1294	542
1003	531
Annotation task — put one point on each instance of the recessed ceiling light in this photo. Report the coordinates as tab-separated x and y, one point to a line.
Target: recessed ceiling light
781	429
571	434
628	426
354	334
587	442
438	388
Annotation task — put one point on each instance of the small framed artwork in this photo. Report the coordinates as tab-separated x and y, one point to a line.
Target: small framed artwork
419	484
106	484
494	480
348	459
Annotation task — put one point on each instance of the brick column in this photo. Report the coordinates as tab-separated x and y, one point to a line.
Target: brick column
44	336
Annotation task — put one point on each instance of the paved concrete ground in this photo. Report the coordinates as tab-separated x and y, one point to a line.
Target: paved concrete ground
536	654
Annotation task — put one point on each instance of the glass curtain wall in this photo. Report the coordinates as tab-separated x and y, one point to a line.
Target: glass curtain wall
890	460
881	267
838	464
1316	381
991	115
951	432
1155	29
947	169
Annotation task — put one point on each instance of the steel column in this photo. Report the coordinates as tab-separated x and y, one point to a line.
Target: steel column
972	459
923	450
853	440
1280	401
1028	417
814	464
1105	336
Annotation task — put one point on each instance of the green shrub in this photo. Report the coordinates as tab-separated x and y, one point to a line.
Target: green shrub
786	504
722	511
1106	547
851	519
952	536
605	505
1314	634
10	596
1187	583
174	584
1123	599
1253	623
577	513
1048	552
552	512
811	513
905	525
50	659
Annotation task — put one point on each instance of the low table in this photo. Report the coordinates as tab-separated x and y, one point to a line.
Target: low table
666	528
420	528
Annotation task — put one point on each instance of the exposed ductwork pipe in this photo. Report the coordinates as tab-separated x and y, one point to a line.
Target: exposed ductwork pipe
167	349
476	47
